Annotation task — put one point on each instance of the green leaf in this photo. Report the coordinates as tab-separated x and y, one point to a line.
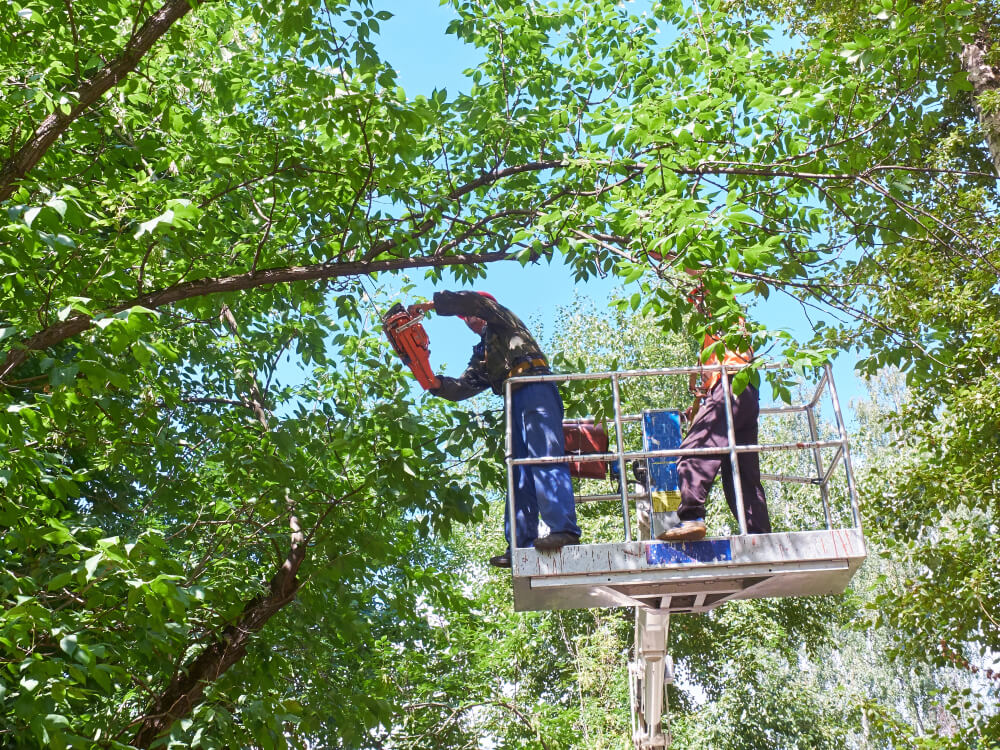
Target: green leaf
31	214
68	644
149	227
91	564
60	376
59	205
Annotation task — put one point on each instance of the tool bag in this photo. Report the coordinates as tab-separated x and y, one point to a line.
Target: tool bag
583	438
410	341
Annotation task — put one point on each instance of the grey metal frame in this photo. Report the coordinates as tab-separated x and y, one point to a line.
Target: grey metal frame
823	473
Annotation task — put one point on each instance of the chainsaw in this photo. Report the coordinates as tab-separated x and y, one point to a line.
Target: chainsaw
410	342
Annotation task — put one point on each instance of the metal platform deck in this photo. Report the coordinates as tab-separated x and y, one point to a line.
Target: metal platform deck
687	576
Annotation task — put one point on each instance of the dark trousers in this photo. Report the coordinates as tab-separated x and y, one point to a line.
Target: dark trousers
697	473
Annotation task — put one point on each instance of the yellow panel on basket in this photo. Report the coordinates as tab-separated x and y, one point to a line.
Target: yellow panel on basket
665	501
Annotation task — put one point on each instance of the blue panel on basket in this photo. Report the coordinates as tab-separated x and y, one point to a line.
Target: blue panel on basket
661	430
683	553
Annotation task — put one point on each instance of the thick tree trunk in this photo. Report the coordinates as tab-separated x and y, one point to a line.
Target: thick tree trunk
187	688
984	78
53	126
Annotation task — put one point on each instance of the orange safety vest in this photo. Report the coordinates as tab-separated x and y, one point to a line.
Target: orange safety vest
709	379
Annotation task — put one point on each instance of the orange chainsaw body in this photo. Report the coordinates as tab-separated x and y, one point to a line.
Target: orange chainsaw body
409	339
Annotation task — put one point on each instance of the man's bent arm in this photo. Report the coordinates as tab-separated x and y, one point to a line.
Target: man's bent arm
472	304
469	383
457	389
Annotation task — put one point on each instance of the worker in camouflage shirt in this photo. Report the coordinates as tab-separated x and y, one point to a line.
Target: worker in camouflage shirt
506	349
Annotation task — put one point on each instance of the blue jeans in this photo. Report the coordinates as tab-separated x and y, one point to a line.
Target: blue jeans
536	426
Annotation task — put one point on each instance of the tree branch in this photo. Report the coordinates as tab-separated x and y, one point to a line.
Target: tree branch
53	126
256	400
764	170
497	174
76	324
187	688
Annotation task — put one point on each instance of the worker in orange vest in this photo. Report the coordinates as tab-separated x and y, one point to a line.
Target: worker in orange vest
708	428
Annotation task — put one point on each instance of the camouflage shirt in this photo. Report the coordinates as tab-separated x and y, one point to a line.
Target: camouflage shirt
505	344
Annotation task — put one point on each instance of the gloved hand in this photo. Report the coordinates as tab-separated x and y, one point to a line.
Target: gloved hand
420	308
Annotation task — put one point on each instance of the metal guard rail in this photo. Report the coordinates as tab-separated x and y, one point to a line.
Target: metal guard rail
823	474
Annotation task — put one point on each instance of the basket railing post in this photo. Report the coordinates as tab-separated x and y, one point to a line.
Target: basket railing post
727	393
848	466
619	444
508	448
824	494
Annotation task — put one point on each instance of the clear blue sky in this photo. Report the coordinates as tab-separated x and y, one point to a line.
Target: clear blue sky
415	43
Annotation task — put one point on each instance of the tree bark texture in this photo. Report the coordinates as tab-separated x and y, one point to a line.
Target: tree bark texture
984	78
187	689
52	127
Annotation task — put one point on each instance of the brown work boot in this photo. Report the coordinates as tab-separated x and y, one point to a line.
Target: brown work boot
502	560
688	531
555	541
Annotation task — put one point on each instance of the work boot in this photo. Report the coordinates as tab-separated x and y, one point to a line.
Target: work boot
502	560
688	531
555	541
